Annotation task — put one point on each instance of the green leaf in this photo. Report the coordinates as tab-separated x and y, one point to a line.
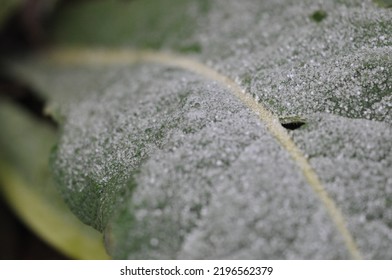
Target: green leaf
172	142
384	3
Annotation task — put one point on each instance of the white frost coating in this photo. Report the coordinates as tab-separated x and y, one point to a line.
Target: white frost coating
189	184
199	156
281	54
354	160
208	114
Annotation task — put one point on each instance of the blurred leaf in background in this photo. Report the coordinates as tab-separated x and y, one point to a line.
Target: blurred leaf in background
18	242
26	138
27	185
7	7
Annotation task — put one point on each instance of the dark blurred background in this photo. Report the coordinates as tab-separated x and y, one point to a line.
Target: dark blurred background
24	30
17	242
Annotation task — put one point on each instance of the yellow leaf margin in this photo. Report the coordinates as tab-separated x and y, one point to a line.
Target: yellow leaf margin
58	226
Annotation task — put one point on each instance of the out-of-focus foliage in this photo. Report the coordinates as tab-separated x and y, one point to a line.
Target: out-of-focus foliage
7	7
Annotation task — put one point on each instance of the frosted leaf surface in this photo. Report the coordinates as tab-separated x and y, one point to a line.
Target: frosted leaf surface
354	160
275	49
169	164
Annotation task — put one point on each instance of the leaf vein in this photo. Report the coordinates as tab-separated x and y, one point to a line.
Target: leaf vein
126	57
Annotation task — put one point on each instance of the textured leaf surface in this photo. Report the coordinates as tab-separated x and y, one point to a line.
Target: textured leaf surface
177	156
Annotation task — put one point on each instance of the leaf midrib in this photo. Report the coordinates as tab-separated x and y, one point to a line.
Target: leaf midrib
129	56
